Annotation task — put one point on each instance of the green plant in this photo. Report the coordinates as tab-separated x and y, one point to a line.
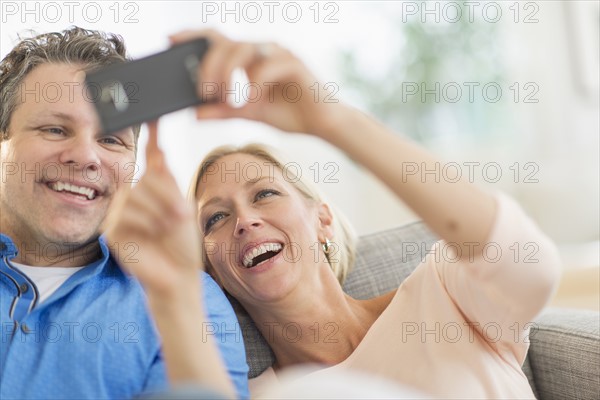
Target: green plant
454	59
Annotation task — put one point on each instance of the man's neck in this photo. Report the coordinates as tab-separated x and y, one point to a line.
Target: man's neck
55	255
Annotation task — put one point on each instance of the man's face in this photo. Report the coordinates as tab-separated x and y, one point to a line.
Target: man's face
59	174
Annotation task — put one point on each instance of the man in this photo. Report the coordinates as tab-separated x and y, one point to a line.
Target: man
73	324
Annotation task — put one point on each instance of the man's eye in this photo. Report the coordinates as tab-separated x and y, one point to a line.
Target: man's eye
54	131
213	220
111	140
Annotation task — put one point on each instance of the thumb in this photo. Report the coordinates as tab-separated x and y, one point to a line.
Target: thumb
110	224
155	158
183	36
189	34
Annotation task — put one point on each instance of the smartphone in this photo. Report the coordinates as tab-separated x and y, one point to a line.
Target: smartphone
143	90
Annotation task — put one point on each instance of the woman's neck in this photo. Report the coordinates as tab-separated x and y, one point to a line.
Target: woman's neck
321	325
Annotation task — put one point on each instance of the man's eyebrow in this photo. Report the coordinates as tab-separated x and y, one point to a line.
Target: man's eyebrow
120	133
56	114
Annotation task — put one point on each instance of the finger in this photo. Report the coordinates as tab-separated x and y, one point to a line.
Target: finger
208	69
154	155
163	184
217	68
214	111
153	207
281	69
225	111
240	55
183	36
163	190
116	209
211	68
214	39
135	223
190	34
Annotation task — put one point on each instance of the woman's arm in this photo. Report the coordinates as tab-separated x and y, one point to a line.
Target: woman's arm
459	212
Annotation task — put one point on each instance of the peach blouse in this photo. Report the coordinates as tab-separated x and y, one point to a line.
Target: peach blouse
460	329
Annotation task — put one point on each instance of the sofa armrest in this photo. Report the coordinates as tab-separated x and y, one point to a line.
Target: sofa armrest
564	354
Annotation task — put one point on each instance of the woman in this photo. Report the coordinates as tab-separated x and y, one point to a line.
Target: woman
259	237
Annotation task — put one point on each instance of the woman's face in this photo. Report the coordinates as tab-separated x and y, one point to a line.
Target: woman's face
261	235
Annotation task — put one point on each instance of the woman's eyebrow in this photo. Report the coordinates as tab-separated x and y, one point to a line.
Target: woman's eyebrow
250	182
211	201
218	199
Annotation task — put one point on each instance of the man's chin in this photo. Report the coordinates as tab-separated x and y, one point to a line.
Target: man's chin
57	248
72	238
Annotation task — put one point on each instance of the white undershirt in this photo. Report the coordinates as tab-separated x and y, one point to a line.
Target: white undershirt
46	279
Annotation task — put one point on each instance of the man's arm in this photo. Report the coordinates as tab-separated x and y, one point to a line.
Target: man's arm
155	216
222	325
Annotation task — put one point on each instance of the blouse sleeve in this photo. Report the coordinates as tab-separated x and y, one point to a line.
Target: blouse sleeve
505	287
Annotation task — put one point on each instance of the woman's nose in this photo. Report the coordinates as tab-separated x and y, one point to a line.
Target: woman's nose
245	223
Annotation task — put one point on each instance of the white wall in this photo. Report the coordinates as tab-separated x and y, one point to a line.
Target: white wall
561	131
559	134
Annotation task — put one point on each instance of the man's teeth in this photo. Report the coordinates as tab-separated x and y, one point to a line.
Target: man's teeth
259	250
69	187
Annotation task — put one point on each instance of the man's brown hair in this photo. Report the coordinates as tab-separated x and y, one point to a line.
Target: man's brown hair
91	48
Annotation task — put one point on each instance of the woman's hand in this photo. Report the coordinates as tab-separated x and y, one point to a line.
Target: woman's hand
155	221
457	211
282	90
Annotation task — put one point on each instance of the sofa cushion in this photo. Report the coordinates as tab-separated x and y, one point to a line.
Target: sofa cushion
384	260
565	354
564	357
529	373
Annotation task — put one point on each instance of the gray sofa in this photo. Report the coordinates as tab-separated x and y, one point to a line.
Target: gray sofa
564	357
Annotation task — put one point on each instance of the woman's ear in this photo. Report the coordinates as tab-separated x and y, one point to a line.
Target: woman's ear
326	230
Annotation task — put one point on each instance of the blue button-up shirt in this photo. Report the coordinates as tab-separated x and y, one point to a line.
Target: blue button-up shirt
94	337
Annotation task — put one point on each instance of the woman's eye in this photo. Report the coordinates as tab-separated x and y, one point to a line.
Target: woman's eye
213	220
266	193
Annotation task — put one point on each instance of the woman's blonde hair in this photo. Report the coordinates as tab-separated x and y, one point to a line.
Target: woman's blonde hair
343	245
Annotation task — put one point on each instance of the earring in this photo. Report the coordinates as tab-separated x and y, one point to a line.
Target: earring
326	246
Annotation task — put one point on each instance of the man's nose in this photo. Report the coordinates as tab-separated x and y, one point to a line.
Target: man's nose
81	151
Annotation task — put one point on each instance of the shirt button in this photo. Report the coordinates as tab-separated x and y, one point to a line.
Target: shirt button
23	287
25	328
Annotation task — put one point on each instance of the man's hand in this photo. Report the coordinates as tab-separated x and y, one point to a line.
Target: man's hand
154	218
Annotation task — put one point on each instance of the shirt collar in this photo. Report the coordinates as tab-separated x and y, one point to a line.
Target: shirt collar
103	265
7	247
